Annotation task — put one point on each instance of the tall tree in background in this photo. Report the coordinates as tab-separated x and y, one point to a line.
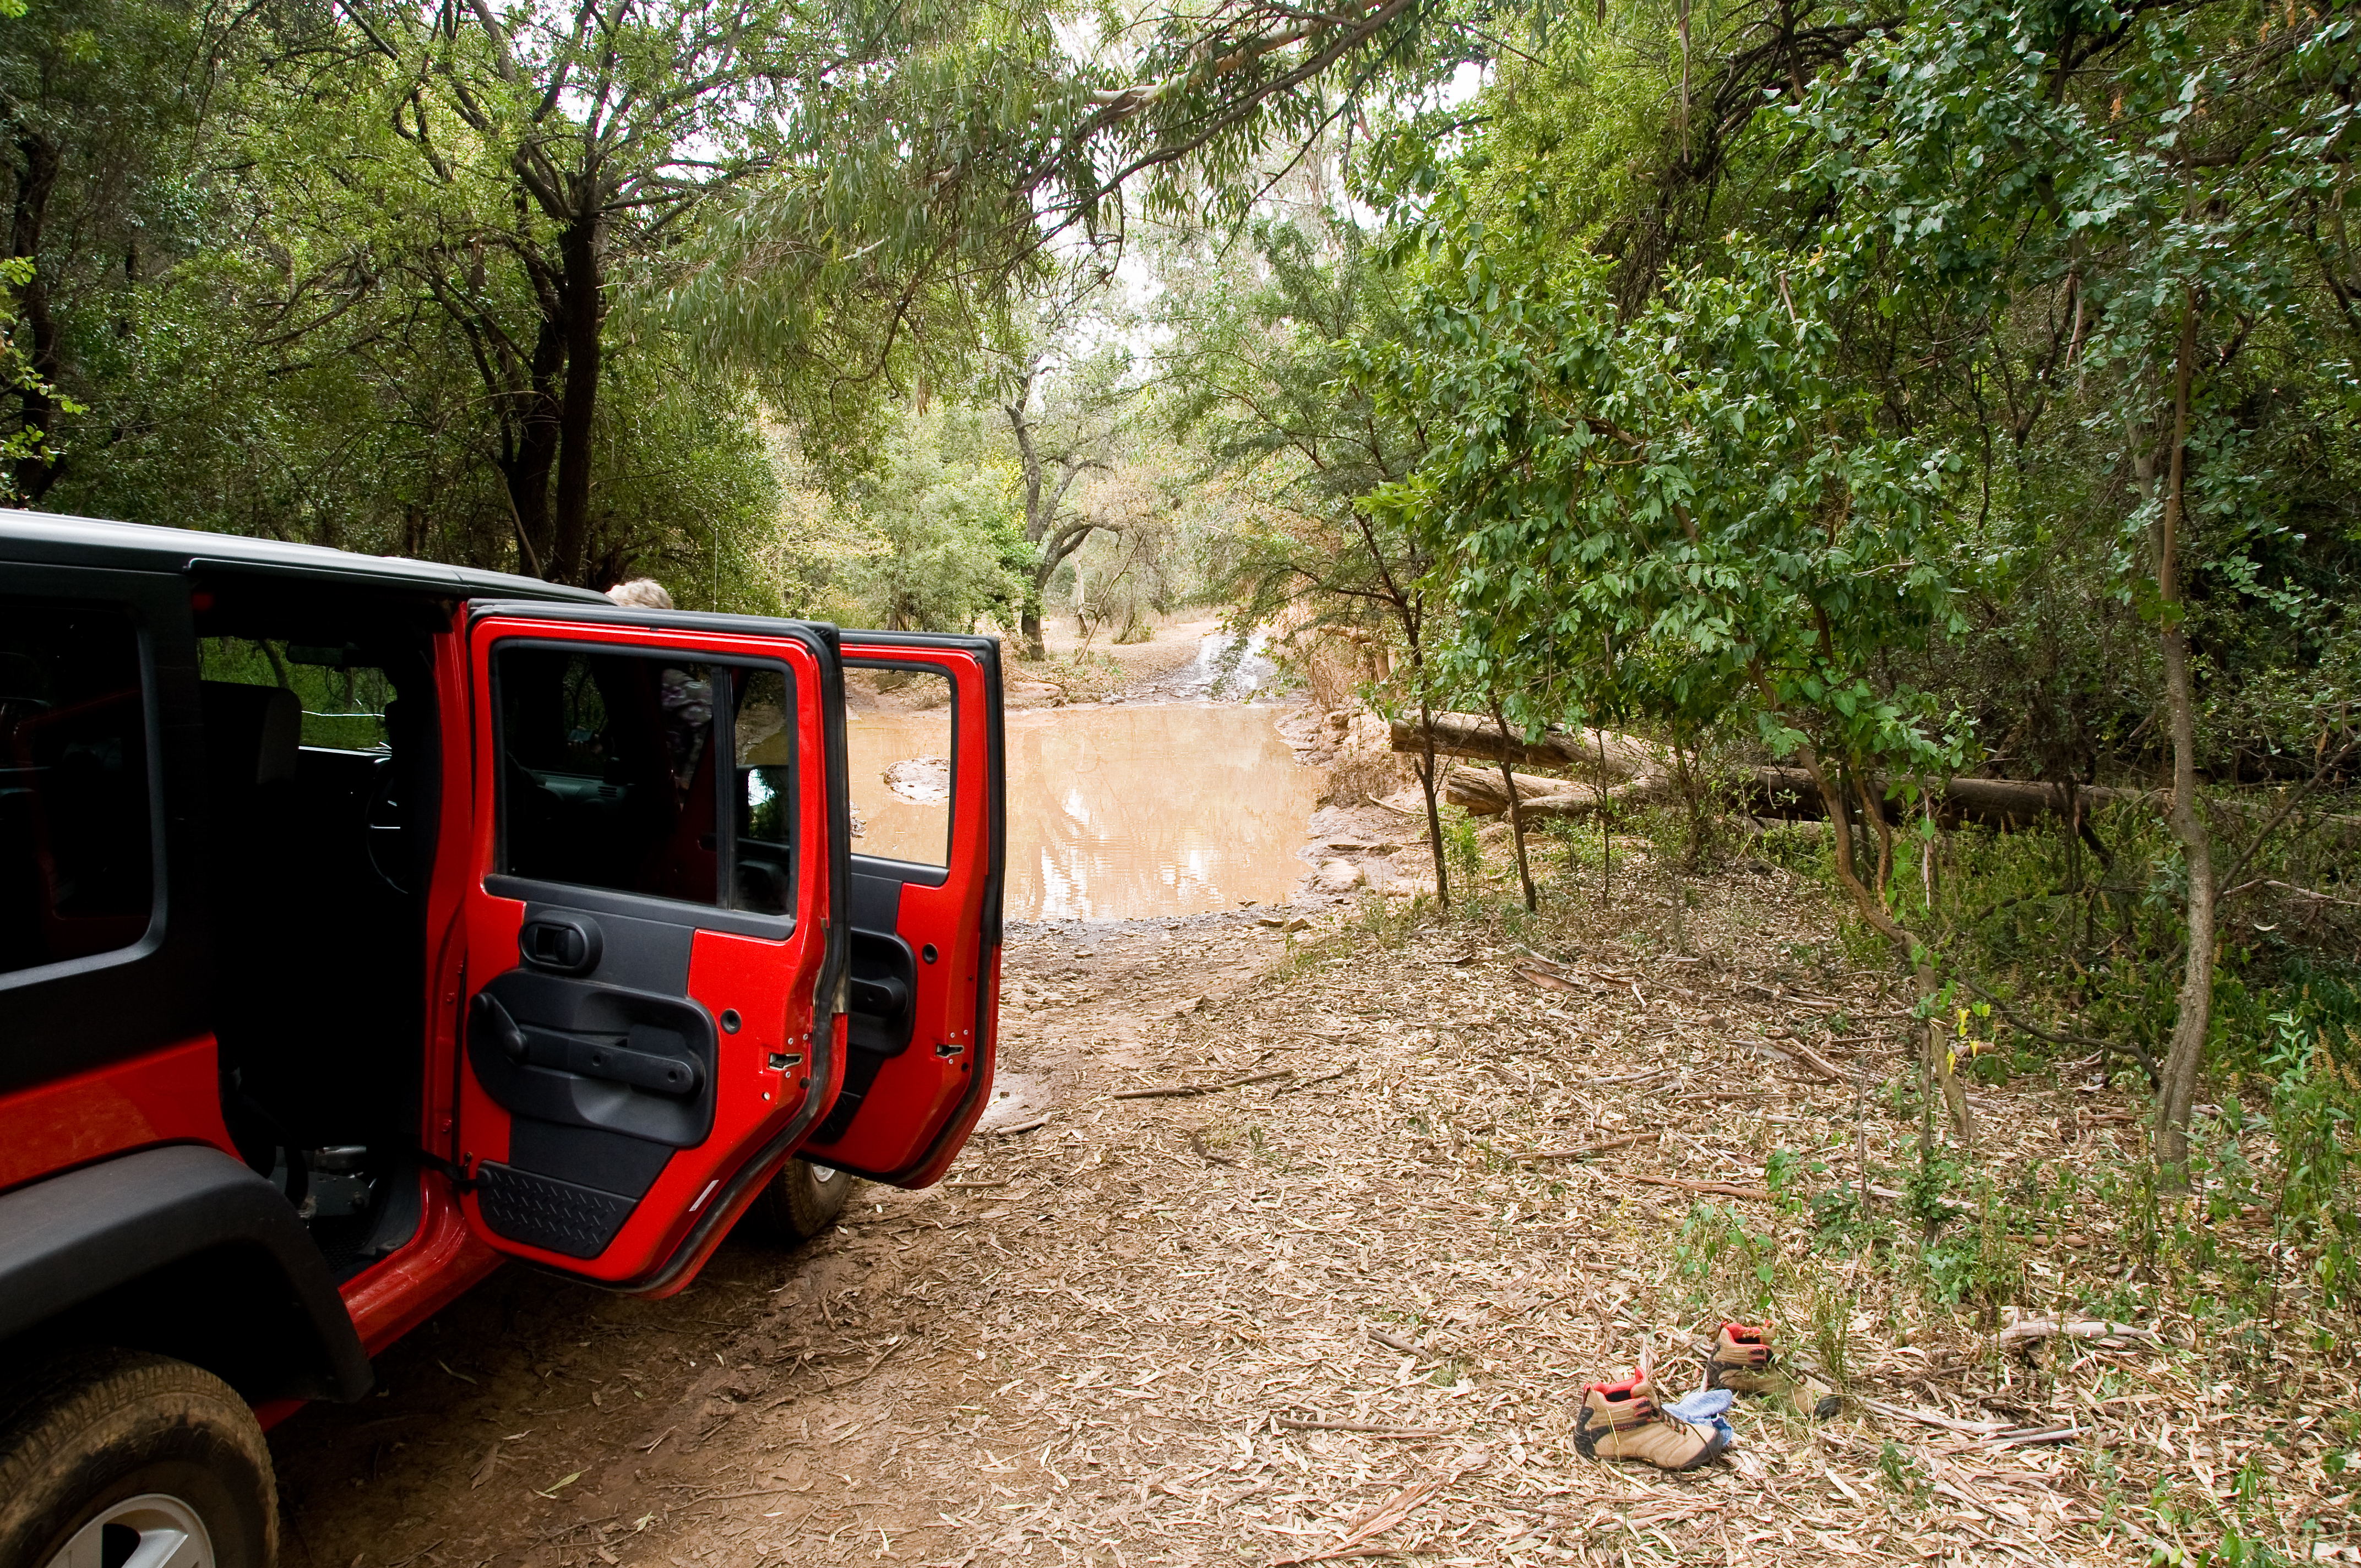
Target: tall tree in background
571	148
1065	412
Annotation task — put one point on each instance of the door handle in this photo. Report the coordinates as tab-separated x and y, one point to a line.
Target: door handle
568	944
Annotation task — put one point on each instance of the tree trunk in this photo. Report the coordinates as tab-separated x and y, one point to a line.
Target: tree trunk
2185	1060
1040	511
1769	788
38	403
1516	816
1484	793
1407	610
533	452
1606	839
1426	782
584	300
1028	616
1935	1054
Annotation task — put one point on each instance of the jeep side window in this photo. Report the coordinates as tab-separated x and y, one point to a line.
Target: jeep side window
615	769
77	861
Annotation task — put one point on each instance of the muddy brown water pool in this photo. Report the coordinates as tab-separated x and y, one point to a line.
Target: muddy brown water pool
1114	813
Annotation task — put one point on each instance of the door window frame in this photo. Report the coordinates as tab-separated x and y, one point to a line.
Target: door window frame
503	884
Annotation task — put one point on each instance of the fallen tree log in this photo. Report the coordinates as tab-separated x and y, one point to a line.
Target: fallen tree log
1481	793
1474	735
1783	792
1642	771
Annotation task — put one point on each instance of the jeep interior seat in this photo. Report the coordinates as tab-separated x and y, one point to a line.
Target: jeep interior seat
253	735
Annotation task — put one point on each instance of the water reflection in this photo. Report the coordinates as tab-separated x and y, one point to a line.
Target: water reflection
887	756
1116	812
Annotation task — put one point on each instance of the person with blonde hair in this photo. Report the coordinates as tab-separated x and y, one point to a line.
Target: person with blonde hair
640	593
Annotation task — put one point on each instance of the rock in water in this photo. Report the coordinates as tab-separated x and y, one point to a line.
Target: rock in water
1337	876
922	781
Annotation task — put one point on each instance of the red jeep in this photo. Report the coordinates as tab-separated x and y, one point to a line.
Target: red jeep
365	921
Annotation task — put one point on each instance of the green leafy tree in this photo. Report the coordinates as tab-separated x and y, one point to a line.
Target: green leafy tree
941	513
2174	189
99	104
1670	514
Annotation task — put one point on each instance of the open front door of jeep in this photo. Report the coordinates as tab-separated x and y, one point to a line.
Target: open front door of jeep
654	931
926	773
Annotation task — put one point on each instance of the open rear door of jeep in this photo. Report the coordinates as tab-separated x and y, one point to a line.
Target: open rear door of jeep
926	771
653	931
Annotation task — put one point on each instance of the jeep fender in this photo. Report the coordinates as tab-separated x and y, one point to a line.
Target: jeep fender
185	1251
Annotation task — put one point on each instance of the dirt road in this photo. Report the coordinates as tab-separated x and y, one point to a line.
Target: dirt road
1333	1308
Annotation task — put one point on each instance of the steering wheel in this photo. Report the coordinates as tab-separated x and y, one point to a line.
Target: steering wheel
388	826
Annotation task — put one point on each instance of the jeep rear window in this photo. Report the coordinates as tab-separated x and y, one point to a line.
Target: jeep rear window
653	773
77	859
343	697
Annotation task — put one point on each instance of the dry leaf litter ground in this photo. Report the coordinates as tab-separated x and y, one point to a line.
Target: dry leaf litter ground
1343	1308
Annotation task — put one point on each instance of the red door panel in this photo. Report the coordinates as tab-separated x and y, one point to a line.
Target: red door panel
647	920
925	903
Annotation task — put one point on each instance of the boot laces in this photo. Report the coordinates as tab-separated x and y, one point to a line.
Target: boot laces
1645	1408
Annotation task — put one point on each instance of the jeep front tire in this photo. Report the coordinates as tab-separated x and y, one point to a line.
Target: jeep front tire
112	1456
798	1203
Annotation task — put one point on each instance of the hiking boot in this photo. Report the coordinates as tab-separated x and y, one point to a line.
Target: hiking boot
1623	1421
1740	1361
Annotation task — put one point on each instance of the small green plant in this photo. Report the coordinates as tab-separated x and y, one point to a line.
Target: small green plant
1984	1266
1716	1256
1926	1195
1901	1097
1898	1468
1389	922
1831	1329
1461	844
1783	1170
2237	1551
1839	1222
2311	1119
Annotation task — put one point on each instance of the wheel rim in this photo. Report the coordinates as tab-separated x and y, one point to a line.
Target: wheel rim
151	1531
823	1174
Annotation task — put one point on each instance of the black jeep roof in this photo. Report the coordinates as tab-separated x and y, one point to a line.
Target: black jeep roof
42	537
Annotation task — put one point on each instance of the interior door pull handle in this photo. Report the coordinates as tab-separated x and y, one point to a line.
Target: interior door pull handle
494	1020
641	1069
598	1056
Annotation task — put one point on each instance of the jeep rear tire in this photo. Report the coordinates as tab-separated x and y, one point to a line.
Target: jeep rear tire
798	1203
110	1456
